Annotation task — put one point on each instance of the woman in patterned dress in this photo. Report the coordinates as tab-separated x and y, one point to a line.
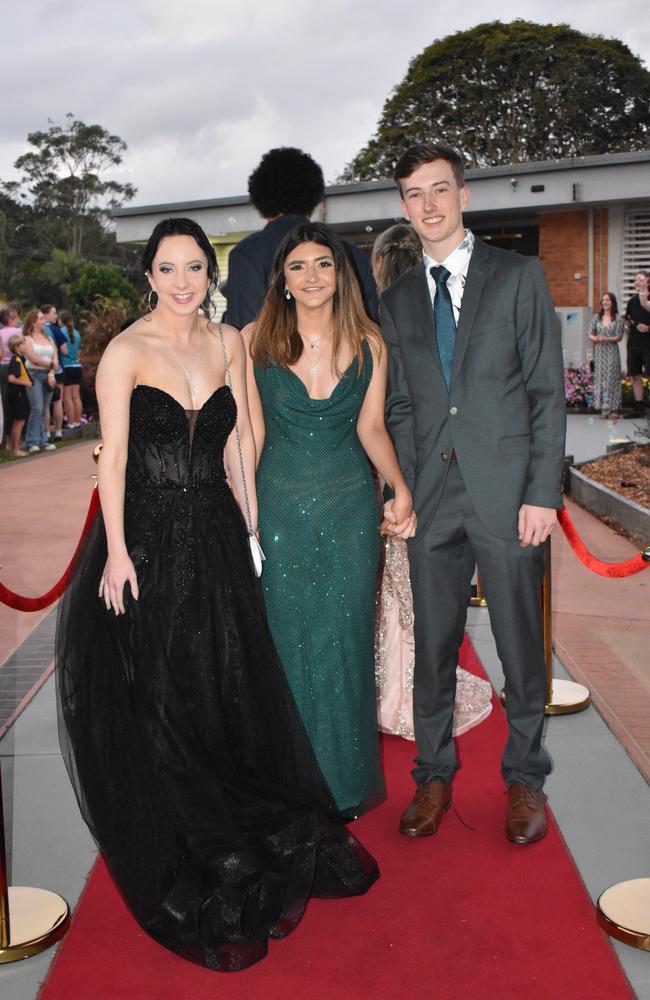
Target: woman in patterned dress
605	332
395	251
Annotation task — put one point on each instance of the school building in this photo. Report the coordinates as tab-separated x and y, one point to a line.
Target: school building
586	218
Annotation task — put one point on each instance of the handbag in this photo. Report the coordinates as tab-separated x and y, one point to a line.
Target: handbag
257	553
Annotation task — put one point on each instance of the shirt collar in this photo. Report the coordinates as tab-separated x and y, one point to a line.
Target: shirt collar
458	259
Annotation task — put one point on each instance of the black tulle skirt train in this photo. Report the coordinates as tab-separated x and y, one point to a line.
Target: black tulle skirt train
190	764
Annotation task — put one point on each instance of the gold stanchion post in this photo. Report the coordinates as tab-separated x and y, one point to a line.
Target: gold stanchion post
623	911
30	919
562	697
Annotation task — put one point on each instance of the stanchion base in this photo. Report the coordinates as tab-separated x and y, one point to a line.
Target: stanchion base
37	919
567	697
623	911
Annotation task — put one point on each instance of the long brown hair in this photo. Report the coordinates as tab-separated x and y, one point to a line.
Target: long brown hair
614	309
30	322
276	340
394	252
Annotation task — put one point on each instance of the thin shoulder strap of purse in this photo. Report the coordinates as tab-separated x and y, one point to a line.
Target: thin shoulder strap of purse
239	451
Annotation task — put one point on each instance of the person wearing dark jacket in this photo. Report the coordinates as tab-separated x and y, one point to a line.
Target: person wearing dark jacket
285	188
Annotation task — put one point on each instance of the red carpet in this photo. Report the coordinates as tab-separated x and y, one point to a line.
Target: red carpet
462	915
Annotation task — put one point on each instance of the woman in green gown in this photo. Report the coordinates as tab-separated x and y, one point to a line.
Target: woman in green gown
316	383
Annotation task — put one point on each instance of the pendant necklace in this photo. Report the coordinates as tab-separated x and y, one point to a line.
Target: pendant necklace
314	361
191	380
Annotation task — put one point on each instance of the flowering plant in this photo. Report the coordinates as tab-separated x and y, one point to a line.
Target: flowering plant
579	385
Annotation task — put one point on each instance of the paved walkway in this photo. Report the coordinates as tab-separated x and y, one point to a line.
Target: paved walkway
44	500
601	632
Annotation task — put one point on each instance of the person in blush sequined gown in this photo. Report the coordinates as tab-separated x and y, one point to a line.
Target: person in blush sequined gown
189	760
395	251
316	381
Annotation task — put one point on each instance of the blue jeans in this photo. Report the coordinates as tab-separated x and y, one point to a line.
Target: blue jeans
39	396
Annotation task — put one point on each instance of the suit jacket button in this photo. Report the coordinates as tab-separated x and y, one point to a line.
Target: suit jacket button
453	410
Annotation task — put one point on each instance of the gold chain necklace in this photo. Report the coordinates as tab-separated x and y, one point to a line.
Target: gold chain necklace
191	381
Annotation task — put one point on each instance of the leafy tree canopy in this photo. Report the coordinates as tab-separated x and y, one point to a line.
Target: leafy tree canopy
57	215
63	176
510	93
99	283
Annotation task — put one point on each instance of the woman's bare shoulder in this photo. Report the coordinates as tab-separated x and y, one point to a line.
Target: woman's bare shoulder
127	346
232	338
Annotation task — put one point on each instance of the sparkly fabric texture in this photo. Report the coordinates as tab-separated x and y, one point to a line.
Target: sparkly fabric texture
319	523
188	757
395	657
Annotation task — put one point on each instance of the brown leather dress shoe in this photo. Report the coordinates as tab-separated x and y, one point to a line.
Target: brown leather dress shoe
526	814
422	818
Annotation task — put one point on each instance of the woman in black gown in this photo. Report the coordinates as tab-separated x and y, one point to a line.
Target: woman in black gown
181	737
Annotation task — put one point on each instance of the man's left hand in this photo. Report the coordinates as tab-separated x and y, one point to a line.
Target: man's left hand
535	524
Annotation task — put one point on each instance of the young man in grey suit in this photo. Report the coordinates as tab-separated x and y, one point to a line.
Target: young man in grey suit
476	410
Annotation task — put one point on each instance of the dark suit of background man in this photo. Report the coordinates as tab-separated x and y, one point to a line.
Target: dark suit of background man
285	188
638	344
476	409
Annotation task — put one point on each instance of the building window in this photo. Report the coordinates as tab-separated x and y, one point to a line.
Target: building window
636	249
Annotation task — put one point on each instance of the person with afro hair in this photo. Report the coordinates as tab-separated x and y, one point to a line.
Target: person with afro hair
285	188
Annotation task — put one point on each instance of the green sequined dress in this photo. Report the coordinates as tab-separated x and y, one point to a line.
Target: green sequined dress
318	517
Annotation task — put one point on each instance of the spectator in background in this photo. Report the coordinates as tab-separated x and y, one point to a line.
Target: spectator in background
638	343
285	188
19	381
9	327
41	362
54	331
71	371
606	330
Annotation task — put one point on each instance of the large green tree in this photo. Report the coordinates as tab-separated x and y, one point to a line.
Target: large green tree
64	179
510	93
57	214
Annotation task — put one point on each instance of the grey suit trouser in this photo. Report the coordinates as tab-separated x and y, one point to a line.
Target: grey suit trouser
442	560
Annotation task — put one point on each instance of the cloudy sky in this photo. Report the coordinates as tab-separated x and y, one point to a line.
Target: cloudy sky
200	89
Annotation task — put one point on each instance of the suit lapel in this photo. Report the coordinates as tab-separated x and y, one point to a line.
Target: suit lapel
421	303
476	276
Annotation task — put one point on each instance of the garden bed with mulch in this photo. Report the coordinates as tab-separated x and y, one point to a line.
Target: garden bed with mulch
626	473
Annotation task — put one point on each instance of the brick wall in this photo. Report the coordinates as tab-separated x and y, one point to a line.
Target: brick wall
564	252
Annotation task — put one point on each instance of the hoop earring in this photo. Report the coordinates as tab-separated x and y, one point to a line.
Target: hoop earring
152	292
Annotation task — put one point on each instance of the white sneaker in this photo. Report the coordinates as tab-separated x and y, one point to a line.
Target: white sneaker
49	447
33	447
58	436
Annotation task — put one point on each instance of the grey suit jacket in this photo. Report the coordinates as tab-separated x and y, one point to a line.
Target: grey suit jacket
504	412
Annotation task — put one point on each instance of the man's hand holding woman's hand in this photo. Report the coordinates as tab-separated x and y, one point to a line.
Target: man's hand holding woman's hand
400	520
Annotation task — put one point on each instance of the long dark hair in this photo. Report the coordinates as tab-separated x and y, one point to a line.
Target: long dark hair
601	311
276	340
183	227
66	320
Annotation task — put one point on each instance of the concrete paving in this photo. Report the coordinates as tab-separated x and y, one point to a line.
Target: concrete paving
598	790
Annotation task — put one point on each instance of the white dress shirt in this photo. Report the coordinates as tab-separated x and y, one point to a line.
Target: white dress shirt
457	264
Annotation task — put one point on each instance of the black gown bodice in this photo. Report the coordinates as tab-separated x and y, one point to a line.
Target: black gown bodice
170	447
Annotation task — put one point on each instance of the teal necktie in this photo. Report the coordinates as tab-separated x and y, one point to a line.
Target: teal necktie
443	315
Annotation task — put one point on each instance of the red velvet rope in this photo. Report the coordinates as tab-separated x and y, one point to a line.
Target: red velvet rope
615	570
627	568
19	603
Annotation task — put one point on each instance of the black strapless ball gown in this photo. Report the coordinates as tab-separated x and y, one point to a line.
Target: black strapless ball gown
187	754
